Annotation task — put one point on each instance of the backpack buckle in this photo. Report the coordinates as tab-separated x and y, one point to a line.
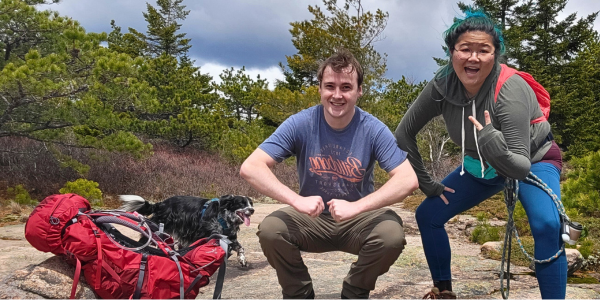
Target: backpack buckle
54	220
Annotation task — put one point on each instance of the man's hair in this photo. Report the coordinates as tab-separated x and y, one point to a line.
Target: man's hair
339	61
474	20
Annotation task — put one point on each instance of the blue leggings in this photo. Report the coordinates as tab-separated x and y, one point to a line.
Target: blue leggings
543	216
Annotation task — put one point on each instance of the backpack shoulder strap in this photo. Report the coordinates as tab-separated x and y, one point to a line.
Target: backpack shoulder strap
505	73
543	97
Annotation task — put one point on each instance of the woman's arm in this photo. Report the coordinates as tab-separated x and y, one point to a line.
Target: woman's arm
505	145
418	115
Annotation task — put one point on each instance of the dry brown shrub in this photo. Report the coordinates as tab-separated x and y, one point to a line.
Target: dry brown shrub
25	212
14	208
170	171
28	162
176	171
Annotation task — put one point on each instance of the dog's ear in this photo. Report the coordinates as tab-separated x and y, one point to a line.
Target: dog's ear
226	201
226	197
211	211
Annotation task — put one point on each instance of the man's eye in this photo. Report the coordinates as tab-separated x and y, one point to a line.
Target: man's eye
465	51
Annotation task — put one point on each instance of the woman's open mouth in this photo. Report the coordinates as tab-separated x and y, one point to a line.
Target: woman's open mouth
471	70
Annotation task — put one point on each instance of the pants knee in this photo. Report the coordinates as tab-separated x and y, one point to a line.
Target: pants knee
422	216
271	231
545	229
388	238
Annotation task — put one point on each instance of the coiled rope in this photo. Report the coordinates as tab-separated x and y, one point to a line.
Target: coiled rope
511	192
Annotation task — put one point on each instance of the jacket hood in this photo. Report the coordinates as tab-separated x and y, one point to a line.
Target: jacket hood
451	89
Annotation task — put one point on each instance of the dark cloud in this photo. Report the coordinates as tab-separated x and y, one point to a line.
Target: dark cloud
255	34
243	33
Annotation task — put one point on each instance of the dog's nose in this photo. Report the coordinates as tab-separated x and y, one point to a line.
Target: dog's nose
250	210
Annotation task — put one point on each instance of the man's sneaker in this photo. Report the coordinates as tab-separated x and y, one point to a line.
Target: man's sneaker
436	294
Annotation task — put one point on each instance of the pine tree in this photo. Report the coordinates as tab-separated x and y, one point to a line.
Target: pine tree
186	110
349	26
162	35
578	102
241	93
60	87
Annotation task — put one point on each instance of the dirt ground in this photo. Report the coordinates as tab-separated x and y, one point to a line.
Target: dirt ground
473	275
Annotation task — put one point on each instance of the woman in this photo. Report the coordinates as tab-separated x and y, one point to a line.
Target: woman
497	141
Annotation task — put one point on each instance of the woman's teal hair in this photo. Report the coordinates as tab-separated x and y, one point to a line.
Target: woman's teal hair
474	20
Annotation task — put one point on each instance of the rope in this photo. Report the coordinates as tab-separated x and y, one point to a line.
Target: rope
510	200
511	192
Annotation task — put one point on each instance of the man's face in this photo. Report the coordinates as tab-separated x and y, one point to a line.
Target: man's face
339	93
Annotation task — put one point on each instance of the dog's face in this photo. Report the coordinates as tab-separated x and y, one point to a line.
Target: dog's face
236	209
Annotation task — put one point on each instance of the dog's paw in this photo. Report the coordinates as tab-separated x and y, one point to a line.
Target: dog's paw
242	260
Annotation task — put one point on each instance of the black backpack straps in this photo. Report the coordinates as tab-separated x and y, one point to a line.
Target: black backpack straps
138	287
224	242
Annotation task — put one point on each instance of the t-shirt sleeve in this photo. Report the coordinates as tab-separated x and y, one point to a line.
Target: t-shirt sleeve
281	144
387	152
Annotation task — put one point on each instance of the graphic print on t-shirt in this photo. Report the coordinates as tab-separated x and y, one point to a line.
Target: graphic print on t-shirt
336	170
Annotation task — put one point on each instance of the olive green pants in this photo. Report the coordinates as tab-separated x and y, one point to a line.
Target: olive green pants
377	237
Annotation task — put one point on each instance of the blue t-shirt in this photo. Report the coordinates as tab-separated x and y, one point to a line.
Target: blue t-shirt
335	164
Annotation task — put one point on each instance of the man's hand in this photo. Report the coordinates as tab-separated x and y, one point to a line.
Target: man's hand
311	205
342	210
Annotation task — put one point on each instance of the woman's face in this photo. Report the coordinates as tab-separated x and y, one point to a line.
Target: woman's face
473	59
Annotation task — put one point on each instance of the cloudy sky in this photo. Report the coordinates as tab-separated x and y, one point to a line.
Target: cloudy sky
255	34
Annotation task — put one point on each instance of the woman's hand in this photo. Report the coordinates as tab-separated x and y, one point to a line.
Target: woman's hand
446	189
478	125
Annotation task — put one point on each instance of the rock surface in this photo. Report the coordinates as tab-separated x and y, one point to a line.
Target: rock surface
26	273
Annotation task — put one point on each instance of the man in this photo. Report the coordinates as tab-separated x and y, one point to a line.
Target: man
336	145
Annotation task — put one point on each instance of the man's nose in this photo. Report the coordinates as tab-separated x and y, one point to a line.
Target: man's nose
337	93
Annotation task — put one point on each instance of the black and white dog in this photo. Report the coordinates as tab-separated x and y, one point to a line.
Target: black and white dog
188	219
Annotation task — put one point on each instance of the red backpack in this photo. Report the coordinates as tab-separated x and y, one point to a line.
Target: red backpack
116	266
543	97
43	229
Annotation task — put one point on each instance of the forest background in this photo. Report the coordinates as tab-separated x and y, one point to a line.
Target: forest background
127	112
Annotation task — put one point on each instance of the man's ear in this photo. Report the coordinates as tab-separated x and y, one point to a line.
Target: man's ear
360	91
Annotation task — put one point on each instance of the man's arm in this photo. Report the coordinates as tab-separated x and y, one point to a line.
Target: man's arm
403	181
256	170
